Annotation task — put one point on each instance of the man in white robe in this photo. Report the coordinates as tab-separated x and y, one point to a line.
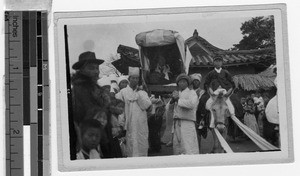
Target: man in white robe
185	103
136	104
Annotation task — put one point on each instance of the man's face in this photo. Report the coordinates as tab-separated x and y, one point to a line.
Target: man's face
91	70
182	84
133	81
91	138
196	84
218	63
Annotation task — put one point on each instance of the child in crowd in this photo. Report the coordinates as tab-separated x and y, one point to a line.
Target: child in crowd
243	102
122	82
259	102
99	114
91	132
260	113
117	119
249	117
114	88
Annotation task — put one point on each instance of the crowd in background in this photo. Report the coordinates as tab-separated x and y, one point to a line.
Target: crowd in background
114	117
256	109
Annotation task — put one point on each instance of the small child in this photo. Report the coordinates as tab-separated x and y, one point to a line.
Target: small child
243	102
91	132
259	102
117	132
117	118
122	82
249	117
99	114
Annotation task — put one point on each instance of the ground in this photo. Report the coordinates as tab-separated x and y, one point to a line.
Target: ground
240	144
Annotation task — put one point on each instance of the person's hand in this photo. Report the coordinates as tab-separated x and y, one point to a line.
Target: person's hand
211	92
140	88
229	92
175	95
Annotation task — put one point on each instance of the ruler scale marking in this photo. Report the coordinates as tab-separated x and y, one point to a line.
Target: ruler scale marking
40	92
15	96
26	92
45	94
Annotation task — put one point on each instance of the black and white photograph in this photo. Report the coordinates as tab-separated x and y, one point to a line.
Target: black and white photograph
172	87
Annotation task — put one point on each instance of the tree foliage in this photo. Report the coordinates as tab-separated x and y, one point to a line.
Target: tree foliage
259	32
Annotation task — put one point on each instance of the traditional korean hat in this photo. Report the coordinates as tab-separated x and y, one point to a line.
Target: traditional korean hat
196	76
86	57
133	71
183	76
104	81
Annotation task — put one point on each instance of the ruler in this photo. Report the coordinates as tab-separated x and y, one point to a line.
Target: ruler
26	92
14	94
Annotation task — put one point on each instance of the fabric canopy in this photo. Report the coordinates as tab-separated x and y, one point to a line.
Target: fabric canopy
161	37
158	37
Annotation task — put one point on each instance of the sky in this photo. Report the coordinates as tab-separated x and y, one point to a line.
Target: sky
104	39
104	35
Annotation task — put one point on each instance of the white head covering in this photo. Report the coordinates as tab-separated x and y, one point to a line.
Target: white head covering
104	81
121	78
113	77
114	87
196	76
133	71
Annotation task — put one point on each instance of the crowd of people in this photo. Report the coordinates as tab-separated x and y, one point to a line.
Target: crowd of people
115	117
261	116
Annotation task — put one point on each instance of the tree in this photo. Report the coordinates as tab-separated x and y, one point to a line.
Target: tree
259	32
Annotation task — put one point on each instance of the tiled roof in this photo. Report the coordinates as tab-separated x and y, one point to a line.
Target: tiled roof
128	52
203	52
129	58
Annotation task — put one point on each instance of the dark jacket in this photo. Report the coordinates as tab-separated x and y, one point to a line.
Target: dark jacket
215	79
86	95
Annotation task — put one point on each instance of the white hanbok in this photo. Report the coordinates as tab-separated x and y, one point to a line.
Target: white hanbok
185	139
136	125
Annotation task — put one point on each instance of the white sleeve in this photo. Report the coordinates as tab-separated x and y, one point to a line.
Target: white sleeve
189	102
119	96
169	110
143	100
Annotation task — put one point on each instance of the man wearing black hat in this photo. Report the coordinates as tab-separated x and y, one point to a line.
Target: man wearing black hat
219	81
86	93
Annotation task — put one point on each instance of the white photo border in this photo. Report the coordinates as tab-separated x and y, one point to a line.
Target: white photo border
283	77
